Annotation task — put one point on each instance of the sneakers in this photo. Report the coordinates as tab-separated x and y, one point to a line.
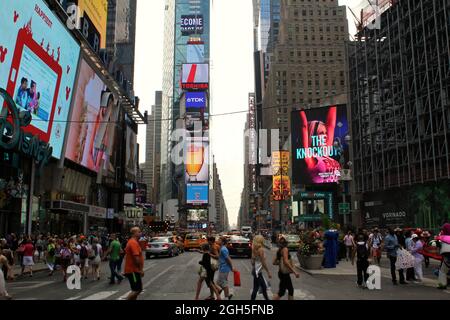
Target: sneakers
230	297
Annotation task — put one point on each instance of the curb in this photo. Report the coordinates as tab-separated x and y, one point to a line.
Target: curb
298	267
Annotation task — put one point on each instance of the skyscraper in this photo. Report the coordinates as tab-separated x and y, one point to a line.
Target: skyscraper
175	54
153	150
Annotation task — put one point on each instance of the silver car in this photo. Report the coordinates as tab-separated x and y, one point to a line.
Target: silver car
161	246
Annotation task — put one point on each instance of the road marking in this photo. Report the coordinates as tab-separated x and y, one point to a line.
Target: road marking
246	266
29	285
157	276
123	297
102	295
74	298
151	265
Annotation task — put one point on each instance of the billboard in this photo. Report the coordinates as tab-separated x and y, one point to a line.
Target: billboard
195	53
197	215
319	149
94	122
192	24
97	12
195	76
195	100
131	153
281	183
196	161
38	64
197	194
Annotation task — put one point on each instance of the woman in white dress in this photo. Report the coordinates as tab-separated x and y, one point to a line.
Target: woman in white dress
3	263
96	260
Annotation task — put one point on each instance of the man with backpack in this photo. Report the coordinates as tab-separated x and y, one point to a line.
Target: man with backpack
361	251
375	243
84	256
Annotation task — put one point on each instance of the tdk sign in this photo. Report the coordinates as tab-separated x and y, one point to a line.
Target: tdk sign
196	100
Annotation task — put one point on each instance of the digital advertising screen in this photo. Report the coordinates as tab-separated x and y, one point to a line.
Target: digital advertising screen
319	149
38	65
195	53
195	100
94	122
97	11
196	161
131	153
195	76
192	24
197	194
281	183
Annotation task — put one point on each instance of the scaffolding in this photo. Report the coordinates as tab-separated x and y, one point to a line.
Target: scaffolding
400	97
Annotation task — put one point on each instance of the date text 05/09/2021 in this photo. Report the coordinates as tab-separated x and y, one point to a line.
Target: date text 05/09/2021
225	310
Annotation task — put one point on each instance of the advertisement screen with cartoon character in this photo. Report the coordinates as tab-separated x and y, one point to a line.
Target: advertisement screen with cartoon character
38	64
319	149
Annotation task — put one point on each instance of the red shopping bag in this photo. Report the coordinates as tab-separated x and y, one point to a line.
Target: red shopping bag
237	279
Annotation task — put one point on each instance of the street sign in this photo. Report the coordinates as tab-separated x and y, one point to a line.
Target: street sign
344	208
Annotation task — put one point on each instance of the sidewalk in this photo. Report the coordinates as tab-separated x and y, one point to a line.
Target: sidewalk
345	268
38	267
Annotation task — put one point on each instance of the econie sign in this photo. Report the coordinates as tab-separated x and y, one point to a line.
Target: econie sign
196	100
191	24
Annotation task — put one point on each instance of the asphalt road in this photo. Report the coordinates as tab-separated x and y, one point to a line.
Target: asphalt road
176	278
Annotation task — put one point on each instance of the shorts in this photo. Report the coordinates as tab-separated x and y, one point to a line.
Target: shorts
135	281
376	252
222	281
28	261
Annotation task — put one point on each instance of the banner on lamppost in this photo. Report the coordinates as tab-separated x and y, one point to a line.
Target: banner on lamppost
281	182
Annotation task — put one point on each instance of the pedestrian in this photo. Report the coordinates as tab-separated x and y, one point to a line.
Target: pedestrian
349	245
134	264
375	243
114	251
28	256
410	276
284	262
51	253
362	253
39	247
19	254
225	267
95	259
65	258
206	274
425	240
213	253
84	257
3	263
259	263
391	245
444	240
416	250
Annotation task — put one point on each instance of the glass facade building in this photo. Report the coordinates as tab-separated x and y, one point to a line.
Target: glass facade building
175	47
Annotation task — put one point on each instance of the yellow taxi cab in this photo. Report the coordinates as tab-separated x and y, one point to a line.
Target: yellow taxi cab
194	241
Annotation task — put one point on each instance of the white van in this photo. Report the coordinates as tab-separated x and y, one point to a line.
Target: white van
245	230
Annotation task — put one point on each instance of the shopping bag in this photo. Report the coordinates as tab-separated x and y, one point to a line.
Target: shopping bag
405	260
237	279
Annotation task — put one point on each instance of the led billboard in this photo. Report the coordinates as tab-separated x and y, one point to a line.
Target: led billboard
192	24
195	100
197	194
94	122
319	148
195	53
195	76
38	64
281	183
196	161
97	11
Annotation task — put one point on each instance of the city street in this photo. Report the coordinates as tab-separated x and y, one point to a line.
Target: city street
176	278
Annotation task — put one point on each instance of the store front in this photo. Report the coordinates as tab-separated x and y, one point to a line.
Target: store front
311	207
66	217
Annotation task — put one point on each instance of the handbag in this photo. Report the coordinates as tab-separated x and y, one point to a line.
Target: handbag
237	279
214	264
405	260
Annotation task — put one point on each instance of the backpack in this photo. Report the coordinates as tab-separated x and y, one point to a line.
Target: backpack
83	253
361	251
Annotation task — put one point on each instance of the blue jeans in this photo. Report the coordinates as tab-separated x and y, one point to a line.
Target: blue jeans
114	267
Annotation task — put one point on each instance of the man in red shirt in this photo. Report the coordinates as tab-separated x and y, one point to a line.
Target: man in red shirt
134	264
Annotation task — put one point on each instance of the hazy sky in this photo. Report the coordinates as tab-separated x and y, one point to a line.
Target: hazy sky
231	80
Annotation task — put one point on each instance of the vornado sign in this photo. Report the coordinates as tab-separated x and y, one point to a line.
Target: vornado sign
191	24
12	136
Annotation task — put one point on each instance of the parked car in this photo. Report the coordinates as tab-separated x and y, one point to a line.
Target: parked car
293	241
161	246
240	246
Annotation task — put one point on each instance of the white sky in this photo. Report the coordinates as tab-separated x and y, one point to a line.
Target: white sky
231	80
